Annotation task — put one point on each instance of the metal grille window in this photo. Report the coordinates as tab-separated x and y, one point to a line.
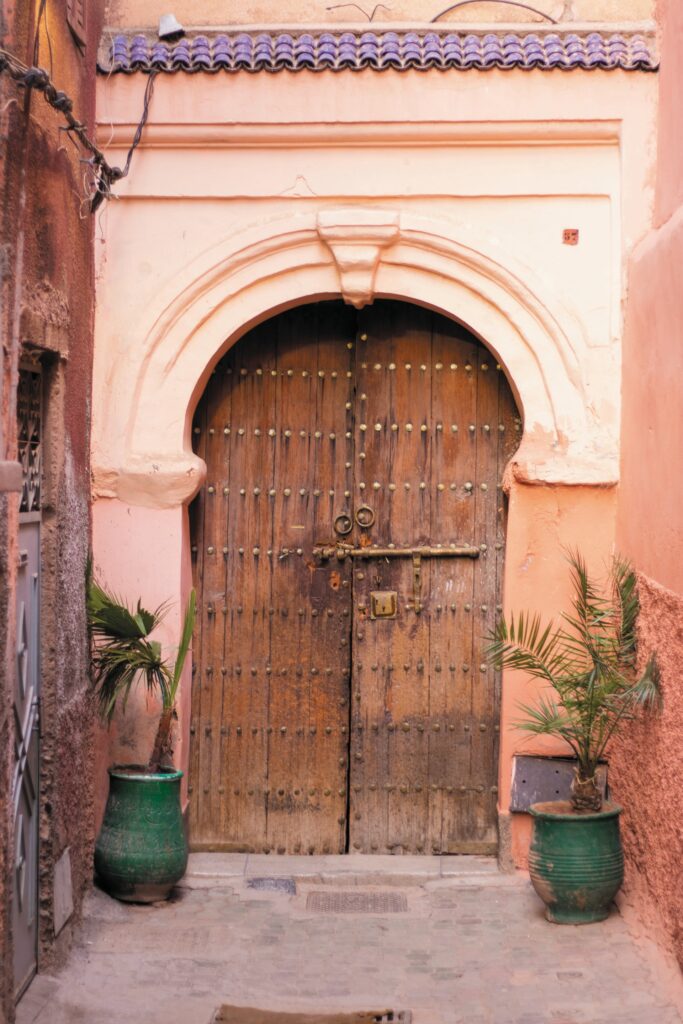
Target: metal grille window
75	18
29	415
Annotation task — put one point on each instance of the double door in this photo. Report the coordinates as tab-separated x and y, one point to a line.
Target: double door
348	546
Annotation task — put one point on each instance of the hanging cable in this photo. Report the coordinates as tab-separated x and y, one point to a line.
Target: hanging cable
42	17
104	175
507	3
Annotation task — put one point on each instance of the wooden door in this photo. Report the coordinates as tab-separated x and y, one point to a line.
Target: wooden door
296	745
269	751
436	426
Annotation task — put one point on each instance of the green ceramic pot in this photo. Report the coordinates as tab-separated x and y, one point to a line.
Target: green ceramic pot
141	851
576	862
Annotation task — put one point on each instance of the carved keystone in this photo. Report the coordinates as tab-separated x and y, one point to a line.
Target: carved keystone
356	238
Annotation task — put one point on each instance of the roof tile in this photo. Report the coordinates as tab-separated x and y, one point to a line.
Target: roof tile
264	51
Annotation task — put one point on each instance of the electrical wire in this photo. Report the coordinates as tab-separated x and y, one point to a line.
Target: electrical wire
508	3
104	175
370	17
149	90
42	16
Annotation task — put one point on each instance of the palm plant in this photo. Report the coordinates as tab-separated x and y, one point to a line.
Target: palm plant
123	654
589	661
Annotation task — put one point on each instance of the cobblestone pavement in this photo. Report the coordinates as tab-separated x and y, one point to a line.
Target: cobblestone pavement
472	948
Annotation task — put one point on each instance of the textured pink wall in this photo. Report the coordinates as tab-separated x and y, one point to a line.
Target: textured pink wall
645	774
647	763
136	554
670	155
651	492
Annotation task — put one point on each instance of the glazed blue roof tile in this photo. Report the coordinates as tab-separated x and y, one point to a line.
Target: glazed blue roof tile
285	51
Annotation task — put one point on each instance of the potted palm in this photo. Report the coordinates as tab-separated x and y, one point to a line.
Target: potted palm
589	664
141	851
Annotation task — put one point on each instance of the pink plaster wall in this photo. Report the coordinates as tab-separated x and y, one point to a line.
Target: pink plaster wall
136	555
651	492
647	763
543	522
670	154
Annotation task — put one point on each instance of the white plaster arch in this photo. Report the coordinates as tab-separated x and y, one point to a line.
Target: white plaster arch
142	451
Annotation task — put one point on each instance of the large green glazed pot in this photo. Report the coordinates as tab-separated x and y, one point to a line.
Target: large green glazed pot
141	851
576	861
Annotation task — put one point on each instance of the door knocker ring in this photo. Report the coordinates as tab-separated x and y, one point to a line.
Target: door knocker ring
343	524
365	516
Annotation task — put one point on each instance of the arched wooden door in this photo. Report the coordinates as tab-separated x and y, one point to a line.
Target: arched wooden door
348	547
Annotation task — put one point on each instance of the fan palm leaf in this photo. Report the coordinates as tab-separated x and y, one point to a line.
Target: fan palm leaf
588	662
123	655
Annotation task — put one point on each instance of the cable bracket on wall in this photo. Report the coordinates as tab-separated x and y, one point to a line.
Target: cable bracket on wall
104	175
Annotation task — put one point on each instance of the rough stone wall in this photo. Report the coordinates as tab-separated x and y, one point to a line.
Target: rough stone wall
647	763
46	307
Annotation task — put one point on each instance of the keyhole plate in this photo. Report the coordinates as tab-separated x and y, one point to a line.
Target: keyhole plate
383	604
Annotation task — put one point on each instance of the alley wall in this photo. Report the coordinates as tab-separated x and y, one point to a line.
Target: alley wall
648	763
46	315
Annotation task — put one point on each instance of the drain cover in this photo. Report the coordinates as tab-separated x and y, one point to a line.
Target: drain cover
273	884
344	902
249	1015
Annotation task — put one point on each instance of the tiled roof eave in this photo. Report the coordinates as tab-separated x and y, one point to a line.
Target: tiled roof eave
338	51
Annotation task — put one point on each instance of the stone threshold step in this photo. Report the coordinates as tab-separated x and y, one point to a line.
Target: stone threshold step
355	869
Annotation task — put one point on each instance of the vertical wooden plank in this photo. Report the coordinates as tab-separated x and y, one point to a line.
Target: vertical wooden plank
224	469
231	830
213	598
211	639
484	712
408	696
391	674
293	532
369	773
454	410
248	585
331	592
307	760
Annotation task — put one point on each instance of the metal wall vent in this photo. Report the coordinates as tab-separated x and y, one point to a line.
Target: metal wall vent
344	902
537	779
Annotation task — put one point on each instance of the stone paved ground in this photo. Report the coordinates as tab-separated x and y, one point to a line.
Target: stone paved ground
473	948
